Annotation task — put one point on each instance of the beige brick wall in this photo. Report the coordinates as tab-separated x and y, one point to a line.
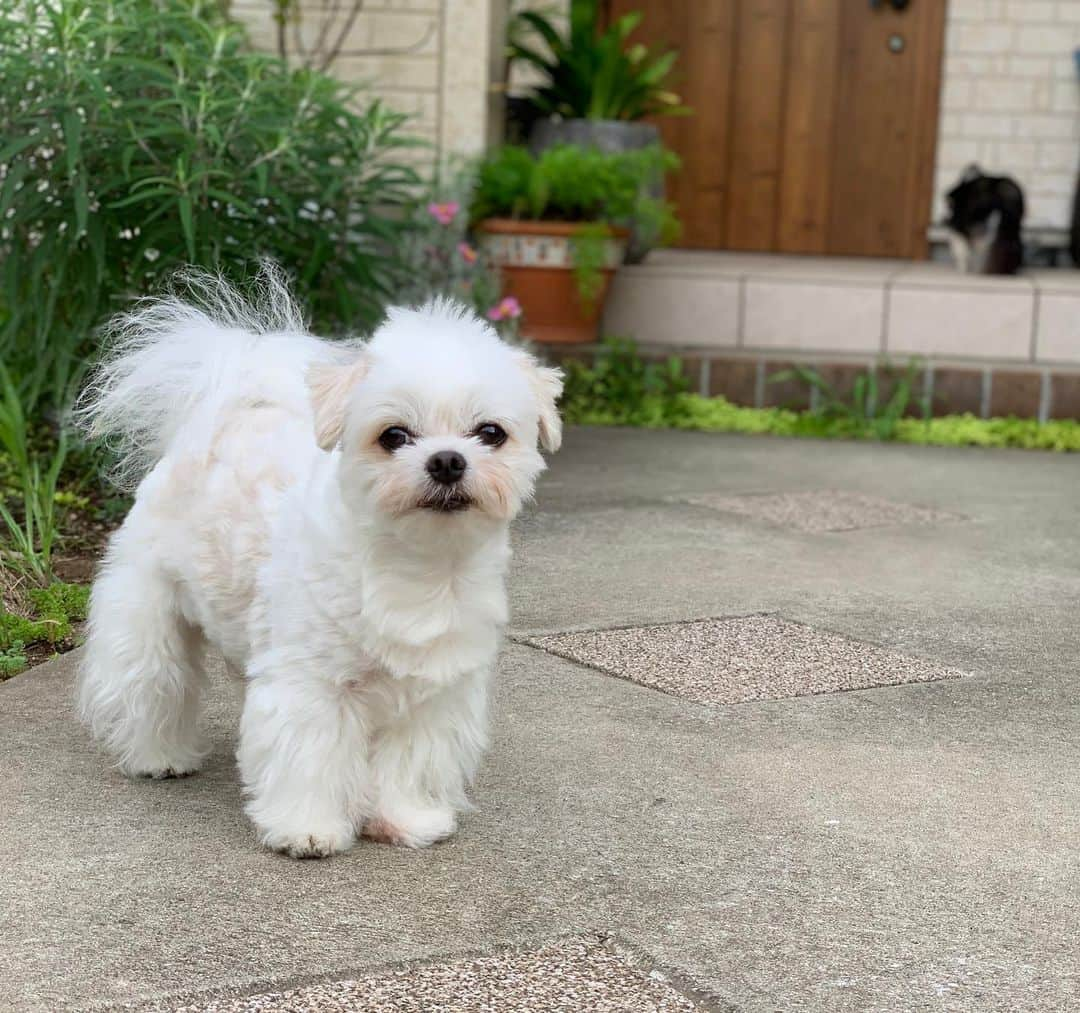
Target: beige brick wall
429	58
1011	99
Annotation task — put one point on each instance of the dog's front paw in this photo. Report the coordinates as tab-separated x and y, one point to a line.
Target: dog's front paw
160	764
313	843
411	826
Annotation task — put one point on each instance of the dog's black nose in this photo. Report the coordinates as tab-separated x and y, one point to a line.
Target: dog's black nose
446	467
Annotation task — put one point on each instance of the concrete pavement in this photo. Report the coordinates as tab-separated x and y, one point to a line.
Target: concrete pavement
901	848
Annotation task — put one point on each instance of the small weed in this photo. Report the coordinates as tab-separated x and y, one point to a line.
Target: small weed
12	660
621	383
51	610
866	410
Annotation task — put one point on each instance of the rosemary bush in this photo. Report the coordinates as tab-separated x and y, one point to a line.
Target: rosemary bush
140	135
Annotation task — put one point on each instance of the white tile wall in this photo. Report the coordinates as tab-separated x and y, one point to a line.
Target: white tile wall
677	308
1011	100
818	314
951	321
824	305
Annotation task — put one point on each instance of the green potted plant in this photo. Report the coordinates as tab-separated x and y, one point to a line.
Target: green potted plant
595	89
556	225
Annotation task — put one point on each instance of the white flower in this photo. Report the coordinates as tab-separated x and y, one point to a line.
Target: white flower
151	254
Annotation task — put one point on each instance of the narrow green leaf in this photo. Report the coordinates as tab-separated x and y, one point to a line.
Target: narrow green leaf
187	223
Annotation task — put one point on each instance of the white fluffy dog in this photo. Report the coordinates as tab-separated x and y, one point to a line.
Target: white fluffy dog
334	520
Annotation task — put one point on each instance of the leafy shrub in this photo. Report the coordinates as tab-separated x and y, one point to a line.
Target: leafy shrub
140	136
136	137
594	74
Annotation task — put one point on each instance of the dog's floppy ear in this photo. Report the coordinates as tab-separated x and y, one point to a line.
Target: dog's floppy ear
547	385
329	385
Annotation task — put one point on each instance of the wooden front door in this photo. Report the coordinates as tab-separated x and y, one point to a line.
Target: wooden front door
814	121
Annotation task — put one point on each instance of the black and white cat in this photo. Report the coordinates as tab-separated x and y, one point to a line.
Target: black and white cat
985	214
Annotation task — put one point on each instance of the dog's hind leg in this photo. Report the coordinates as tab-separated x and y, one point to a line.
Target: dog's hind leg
142	675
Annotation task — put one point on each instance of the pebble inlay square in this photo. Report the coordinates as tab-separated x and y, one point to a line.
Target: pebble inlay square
821	510
569	977
725	661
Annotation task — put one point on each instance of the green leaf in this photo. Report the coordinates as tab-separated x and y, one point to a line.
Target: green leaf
17	146
187	223
72	126
81	203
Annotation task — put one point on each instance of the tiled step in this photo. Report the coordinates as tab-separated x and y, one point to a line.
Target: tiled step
703	301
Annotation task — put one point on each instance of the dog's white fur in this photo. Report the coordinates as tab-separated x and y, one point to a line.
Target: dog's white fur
271	524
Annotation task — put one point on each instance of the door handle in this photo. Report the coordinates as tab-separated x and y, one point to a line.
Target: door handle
896	5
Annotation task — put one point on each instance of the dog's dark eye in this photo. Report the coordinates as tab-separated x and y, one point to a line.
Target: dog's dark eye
394	438
491	435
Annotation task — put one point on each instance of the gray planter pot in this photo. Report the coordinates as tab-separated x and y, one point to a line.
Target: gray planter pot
607	135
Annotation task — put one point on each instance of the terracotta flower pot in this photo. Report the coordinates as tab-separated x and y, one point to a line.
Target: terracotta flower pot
537	264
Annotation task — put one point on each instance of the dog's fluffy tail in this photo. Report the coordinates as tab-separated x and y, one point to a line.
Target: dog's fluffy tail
192	348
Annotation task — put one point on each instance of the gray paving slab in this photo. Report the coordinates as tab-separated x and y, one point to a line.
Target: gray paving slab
906	848
735	660
820	510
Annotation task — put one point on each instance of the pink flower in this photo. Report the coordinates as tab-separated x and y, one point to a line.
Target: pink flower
506	309
444	213
468	254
